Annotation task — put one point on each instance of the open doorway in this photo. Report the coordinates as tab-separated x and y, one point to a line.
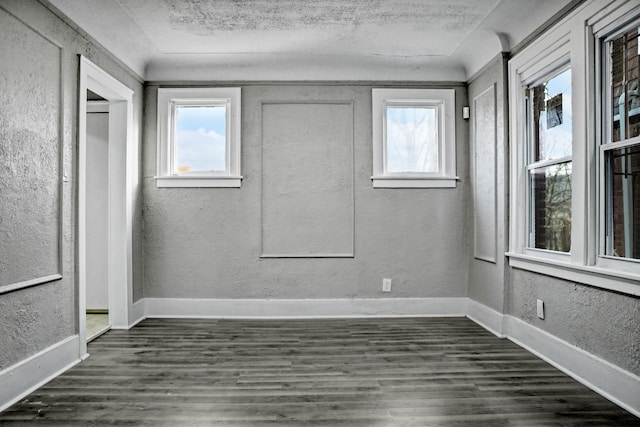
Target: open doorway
105	199
97	215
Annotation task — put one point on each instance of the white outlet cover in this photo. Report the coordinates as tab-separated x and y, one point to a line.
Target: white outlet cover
386	285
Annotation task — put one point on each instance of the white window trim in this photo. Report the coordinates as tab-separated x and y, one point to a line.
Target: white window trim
444	101
609	30
548	72
525	73
571	37
167	99
598	277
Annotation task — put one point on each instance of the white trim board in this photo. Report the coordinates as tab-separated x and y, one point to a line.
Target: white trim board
490	319
614	383
123	183
304	308
137	312
136	315
26	376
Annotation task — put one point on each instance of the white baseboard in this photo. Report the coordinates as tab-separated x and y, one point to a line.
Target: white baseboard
137	312
619	386
135	315
304	308
26	376
488	318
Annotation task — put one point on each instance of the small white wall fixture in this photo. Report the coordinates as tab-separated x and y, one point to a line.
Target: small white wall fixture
123	181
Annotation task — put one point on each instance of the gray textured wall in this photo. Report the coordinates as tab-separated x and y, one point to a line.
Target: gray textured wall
307	179
29	173
206	243
37	317
486	276
601	322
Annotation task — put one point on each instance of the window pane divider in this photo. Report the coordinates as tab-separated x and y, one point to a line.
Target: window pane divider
620	144
551	162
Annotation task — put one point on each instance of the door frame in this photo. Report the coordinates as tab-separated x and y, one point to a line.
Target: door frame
123	182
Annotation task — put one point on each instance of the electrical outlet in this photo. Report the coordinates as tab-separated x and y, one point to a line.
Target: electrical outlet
386	285
541	309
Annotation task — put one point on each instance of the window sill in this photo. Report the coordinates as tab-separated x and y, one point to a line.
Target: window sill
413	182
613	280
198	182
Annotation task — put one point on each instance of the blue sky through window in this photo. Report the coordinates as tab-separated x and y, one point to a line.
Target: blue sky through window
556	141
200	140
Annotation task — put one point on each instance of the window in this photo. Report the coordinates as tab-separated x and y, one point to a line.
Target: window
199	137
549	162
413	138
620	149
542	157
574	131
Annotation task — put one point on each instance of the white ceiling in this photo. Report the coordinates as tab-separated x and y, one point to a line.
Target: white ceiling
307	39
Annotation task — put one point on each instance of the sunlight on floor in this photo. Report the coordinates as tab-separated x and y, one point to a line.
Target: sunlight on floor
97	324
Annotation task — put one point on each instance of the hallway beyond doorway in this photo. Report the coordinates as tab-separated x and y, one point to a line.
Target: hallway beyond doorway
97	324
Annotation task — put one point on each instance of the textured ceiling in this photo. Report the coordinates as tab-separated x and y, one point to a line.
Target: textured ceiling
403	27
209	17
307	39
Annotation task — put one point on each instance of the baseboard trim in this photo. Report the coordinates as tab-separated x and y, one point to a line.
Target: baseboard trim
136	315
488	318
304	308
612	382
28	375
137	311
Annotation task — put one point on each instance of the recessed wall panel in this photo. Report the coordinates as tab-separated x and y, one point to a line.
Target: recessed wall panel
30	100
484	106
307	179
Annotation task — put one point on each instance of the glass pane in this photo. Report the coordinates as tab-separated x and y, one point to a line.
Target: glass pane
200	139
552	135
623	200
412	140
551	207
625	54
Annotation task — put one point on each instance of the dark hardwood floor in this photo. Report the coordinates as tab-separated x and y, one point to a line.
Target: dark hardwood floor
347	372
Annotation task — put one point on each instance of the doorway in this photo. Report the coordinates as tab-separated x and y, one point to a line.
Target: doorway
105	250
97	215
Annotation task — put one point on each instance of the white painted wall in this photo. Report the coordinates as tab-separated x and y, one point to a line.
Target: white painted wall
97	210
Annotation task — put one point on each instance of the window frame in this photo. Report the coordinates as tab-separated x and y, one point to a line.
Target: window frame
607	33
534	70
168	100
443	101
578	36
550	71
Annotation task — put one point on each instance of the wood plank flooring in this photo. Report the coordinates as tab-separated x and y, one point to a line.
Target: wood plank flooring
339	372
